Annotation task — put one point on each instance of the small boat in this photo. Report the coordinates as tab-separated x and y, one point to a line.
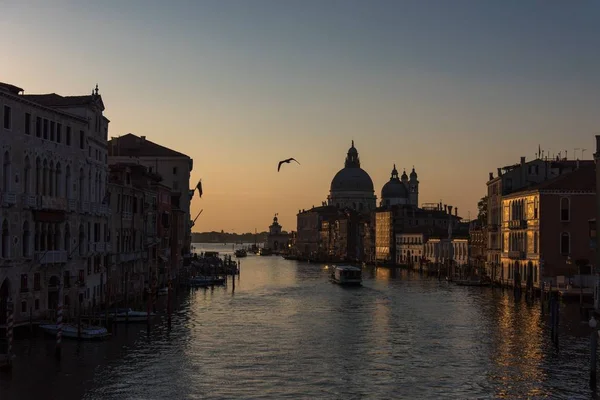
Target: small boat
241	253
128	315
346	275
71	331
265	251
205	281
472	282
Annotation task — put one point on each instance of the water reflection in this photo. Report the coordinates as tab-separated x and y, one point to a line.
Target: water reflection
289	333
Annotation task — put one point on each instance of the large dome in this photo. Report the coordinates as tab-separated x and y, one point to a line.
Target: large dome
353	179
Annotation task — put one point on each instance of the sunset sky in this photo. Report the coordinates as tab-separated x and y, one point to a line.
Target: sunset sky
456	88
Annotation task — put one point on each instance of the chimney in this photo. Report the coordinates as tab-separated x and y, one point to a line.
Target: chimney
491	176
577	164
522	160
499	172
450	210
143	138
456	211
445	209
597	146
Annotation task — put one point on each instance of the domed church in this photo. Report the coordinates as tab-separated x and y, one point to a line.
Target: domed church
352	186
401	191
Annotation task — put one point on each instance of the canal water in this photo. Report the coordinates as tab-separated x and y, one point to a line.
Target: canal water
286	332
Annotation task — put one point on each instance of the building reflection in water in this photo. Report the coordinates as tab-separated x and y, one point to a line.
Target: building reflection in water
517	349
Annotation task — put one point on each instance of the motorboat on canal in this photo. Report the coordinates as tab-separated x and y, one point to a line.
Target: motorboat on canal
88	332
265	251
346	275
239	253
128	315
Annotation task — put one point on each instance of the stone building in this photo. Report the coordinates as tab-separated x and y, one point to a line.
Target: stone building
512	178
545	227
478	239
54	221
277	240
174	168
401	191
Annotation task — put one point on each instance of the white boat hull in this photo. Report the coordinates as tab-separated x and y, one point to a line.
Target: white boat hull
71	331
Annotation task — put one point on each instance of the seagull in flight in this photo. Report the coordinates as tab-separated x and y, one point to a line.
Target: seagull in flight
286	161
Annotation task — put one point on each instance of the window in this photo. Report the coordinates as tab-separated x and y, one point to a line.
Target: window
67	279
27	124
81	140
24	283
38	127
174	170
508	184
23	306
535	242
565	243
535	208
36	281
68	138
58	132
565	209
7	117
52	126
45	128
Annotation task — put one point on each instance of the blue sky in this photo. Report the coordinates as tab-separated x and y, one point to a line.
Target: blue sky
456	88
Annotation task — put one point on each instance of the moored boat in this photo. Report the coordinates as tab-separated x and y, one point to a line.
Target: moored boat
472	282
205	281
88	332
346	275
265	251
240	253
128	315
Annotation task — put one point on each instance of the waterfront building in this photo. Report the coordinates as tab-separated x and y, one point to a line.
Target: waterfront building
139	233
174	168
352	186
54	221
512	178
277	240
410	247
545	227
478	238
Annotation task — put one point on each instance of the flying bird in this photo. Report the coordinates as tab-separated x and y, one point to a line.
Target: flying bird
286	161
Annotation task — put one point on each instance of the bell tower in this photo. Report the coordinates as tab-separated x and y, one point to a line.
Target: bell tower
413	189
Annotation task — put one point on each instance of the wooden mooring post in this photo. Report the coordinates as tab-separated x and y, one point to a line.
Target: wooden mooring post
593	353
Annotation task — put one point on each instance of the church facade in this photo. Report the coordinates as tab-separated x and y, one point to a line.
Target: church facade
277	240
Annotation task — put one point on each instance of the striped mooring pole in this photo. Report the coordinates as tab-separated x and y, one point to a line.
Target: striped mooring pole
9	329
59	315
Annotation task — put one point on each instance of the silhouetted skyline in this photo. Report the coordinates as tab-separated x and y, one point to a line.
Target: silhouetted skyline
455	88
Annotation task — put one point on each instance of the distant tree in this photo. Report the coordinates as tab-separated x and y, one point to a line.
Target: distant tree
482	209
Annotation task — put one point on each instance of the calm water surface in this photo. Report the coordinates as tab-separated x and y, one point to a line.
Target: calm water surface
286	332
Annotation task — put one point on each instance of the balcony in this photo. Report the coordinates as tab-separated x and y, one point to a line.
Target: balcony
72	205
516	255
94	208
54	203
517	224
108	247
29	201
99	247
51	256
103	210
85	207
127	215
9	199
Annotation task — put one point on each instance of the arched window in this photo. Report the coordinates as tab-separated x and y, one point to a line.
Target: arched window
67	238
58	181
68	182
26	239
51	179
38	176
45	178
6	172
57	237
535	242
5	240
26	175
565	243
81	183
565	209
81	240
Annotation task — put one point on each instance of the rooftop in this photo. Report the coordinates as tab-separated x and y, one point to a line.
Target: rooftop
579	180
130	145
56	100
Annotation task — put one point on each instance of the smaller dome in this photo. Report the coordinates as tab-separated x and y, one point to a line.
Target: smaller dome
404	176
394	188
